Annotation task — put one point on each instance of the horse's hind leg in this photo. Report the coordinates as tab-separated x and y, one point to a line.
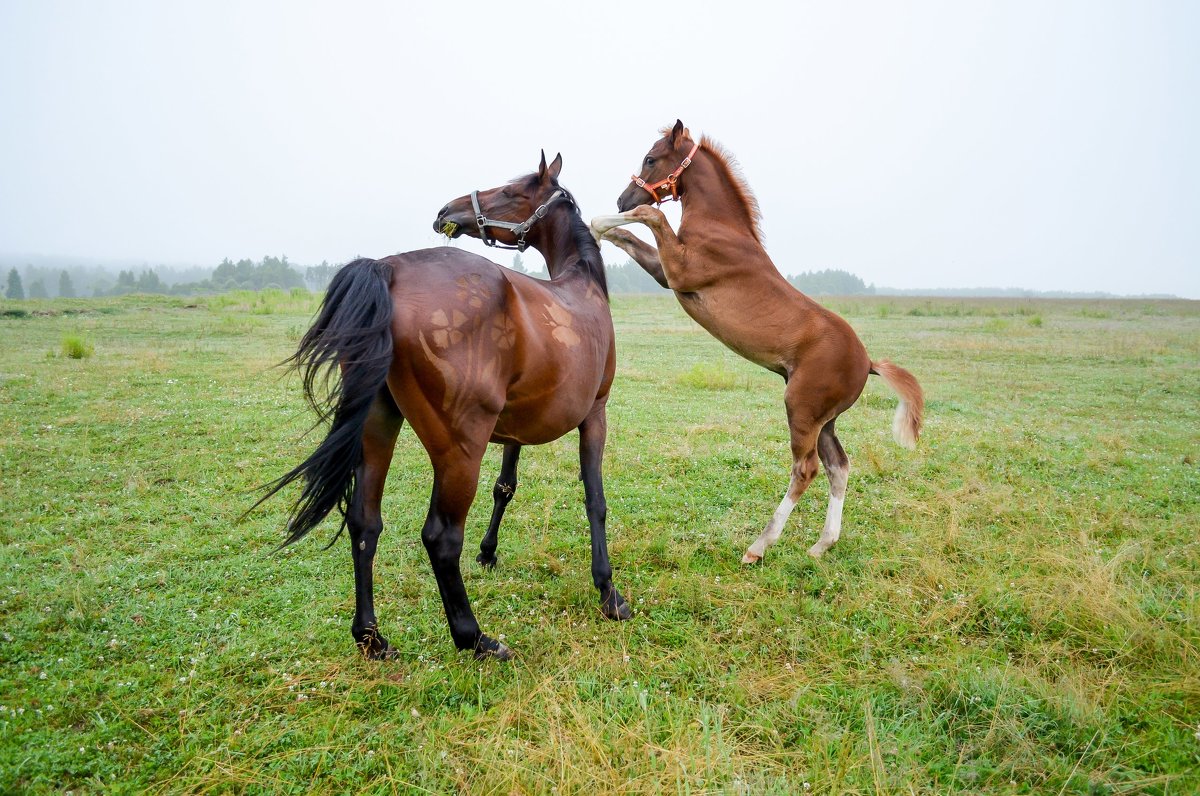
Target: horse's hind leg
837	470
502	495
365	521
455	476
804	469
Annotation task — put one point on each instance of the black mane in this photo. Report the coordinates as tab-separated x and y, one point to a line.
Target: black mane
589	250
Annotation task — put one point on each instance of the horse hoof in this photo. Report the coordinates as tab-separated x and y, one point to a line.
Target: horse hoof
377	649
616	609
490	648
816	551
487	562
751	558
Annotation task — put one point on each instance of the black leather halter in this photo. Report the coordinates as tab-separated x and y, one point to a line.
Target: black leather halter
520	229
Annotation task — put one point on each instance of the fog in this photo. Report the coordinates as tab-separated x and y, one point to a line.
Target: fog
1049	146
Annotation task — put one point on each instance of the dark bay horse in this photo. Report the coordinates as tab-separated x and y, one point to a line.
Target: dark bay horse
724	279
468	353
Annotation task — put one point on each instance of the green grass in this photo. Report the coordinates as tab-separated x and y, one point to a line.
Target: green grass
1013	608
76	347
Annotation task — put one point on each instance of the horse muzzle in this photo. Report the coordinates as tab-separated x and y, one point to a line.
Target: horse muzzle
444	226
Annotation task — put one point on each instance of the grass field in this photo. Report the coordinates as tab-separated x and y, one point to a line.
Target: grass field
1013	608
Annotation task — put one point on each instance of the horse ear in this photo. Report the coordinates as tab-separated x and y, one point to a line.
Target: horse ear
542	166
677	131
555	167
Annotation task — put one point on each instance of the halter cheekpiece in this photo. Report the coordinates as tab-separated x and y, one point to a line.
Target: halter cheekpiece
483	222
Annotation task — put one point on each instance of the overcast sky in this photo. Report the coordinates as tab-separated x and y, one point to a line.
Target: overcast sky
1047	145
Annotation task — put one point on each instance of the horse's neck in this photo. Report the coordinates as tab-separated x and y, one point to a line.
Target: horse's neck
560	246
713	197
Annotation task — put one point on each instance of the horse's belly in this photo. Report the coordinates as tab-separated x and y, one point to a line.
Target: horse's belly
535	421
747	340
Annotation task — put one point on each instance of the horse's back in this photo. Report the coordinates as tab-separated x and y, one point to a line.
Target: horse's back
471	338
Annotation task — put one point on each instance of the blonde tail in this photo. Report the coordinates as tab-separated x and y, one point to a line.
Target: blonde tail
906	425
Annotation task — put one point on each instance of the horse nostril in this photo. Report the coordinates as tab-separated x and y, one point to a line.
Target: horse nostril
443	211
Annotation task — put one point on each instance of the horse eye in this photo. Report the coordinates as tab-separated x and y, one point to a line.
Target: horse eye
649	161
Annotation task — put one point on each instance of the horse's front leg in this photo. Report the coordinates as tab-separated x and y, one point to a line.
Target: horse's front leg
671	256
592	433
642	253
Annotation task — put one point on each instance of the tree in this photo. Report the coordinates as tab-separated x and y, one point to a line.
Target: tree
518	264
37	289
15	291
149	282
317	276
65	288
126	283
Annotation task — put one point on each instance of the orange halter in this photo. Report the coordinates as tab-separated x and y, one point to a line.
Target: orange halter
670	180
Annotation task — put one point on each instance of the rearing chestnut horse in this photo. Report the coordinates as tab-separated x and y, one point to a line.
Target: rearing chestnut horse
724	279
469	353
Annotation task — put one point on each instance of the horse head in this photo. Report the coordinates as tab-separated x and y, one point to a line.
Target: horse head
503	216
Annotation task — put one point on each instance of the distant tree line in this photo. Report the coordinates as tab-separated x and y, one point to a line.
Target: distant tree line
36	282
269	272
831	282
15	289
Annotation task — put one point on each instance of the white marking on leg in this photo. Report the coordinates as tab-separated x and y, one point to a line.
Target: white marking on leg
774	529
602	224
838	477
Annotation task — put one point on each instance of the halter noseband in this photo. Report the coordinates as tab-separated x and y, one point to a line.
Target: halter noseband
670	180
483	222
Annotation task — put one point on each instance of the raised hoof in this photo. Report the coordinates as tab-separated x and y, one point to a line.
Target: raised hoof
490	648
751	558
487	562
615	608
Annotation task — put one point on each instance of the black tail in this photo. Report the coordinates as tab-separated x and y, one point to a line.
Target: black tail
351	334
